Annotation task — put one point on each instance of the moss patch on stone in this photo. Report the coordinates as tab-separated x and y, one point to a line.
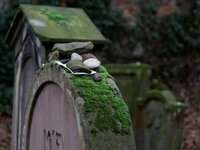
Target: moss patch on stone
53	15
99	99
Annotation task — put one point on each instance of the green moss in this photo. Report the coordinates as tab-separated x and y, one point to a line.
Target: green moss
111	111
53	15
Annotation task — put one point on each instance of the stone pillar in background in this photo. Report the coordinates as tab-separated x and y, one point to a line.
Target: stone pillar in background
162	121
155	113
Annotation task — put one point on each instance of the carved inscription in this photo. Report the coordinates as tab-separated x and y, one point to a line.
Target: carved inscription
53	140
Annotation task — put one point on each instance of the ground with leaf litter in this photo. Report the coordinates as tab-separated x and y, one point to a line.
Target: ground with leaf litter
5	133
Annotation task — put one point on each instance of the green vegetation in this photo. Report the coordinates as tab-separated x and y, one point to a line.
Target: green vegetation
55	16
166	36
6	63
169	35
109	22
111	111
6	79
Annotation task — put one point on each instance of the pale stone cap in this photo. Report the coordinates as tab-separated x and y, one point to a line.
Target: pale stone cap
73	47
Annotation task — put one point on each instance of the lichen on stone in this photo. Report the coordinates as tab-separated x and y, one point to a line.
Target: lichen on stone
53	15
110	111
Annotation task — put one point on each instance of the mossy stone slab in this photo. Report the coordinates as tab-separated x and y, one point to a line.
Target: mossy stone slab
73	47
61	24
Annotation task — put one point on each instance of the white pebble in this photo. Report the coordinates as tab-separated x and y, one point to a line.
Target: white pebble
76	56
92	63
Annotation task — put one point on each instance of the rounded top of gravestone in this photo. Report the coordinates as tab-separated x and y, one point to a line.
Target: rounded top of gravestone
95	109
73	47
164	96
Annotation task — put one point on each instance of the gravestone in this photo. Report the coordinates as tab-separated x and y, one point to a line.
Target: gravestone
133	81
34	31
162	116
154	111
75	113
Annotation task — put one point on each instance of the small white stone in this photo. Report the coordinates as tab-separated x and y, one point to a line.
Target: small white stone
92	63
76	56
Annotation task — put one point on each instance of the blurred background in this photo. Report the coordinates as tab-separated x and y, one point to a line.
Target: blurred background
162	33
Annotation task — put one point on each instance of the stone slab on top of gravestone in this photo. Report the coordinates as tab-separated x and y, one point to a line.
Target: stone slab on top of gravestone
61	24
73	47
77	112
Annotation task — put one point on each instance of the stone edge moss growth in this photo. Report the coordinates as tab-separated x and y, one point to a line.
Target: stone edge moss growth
164	96
100	99
111	112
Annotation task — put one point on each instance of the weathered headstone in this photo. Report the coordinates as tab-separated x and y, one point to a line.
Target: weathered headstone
32	35
155	113
133	81
75	113
162	116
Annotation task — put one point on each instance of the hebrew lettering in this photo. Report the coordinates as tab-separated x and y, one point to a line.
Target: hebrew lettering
53	140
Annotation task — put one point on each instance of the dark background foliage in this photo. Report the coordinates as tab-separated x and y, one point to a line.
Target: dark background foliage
170	35
6	62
